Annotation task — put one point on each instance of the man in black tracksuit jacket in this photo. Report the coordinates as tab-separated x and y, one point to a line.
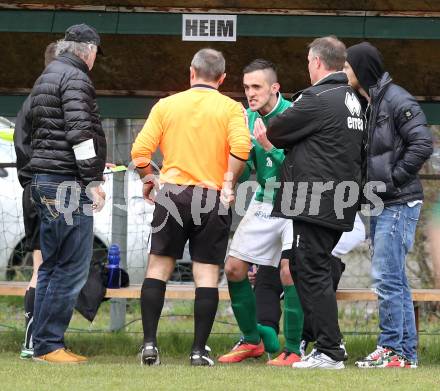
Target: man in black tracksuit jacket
322	133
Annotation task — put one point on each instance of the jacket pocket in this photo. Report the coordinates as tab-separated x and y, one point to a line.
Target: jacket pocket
383	133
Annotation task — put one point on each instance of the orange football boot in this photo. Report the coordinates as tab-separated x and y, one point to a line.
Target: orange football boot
241	351
285	359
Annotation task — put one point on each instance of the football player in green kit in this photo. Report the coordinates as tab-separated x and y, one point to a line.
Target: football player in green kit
261	239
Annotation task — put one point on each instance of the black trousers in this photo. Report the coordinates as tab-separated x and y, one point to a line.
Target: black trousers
268	290
338	268
311	267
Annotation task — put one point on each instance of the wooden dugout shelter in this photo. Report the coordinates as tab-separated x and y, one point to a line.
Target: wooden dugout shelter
145	57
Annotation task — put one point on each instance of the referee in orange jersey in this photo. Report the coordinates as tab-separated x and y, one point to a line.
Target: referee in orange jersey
205	142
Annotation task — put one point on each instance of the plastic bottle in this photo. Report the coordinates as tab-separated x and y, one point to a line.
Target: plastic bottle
114	271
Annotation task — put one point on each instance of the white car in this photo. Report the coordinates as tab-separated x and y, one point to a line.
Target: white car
14	260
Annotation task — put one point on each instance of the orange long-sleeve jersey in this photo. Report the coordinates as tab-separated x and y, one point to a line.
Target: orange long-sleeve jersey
196	130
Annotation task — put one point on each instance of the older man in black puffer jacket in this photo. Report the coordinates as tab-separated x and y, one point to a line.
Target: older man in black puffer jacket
68	159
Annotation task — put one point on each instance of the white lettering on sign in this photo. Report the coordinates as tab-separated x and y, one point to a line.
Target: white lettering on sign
205	27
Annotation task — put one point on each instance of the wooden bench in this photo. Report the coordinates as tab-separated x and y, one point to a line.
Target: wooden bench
186	292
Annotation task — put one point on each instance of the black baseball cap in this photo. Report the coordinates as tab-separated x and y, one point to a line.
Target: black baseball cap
83	33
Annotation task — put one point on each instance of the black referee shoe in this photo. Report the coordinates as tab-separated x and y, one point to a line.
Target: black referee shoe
149	354
201	358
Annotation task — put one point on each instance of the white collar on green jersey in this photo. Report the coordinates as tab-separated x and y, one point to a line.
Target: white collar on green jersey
275	107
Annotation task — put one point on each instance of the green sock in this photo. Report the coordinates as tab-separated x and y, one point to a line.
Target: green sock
270	338
245	309
293	319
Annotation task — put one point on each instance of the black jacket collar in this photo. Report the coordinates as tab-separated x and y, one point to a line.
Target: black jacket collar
333	78
70	58
380	87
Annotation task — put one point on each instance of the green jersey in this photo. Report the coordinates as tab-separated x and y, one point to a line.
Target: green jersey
266	164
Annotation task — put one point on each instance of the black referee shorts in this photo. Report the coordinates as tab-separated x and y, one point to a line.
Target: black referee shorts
31	221
191	213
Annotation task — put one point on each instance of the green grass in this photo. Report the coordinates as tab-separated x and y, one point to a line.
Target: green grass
114	365
124	373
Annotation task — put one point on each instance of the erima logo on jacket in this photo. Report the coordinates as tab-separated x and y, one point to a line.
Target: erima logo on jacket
354	107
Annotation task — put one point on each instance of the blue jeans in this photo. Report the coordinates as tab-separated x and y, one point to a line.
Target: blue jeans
392	236
66	238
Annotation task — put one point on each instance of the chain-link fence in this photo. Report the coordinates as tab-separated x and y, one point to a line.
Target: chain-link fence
126	219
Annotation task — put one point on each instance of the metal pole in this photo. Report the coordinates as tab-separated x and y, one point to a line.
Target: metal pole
121	155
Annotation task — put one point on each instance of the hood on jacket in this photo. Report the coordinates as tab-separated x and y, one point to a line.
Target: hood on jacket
367	64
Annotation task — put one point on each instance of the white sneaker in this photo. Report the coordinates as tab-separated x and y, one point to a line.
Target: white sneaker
342	346
318	360
376	359
303	347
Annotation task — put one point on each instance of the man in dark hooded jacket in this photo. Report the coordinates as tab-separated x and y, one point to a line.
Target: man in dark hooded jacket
399	142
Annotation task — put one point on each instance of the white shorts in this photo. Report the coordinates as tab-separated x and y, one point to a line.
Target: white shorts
260	238
352	239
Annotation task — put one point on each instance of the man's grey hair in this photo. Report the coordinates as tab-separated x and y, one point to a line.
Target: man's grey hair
80	49
331	51
209	64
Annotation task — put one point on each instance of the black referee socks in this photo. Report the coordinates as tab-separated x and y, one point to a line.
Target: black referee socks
152	299
205	308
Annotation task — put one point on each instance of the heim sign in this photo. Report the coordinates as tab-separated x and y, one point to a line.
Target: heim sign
206	27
